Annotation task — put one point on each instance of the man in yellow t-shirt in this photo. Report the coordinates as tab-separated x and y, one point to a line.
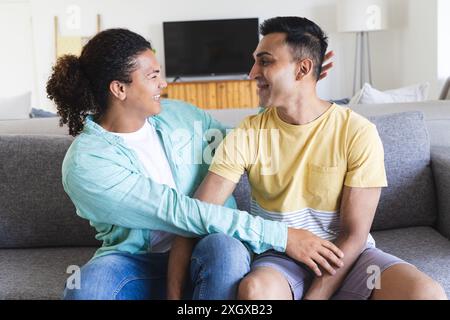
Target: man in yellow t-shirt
297	172
316	166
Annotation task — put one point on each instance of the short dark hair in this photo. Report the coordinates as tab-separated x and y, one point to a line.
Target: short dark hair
306	38
80	85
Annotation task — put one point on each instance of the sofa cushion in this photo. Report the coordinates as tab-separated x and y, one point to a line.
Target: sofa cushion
16	107
437	116
423	247
370	95
38	273
34	209
242	193
410	198
440	163
39	113
41	273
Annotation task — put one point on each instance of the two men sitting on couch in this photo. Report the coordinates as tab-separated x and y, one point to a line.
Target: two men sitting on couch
325	188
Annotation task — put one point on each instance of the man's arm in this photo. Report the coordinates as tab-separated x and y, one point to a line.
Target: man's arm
302	245
178	266
358	208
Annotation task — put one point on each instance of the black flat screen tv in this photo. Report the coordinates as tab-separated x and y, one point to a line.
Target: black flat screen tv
209	47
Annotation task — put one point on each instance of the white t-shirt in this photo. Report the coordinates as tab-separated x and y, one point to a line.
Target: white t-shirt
147	146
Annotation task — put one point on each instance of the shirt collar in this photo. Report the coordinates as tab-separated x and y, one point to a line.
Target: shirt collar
91	127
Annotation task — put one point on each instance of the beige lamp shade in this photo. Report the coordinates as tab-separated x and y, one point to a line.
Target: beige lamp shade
361	15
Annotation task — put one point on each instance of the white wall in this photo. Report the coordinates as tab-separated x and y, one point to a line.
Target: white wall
406	53
146	17
16	66
403	55
443	39
419	42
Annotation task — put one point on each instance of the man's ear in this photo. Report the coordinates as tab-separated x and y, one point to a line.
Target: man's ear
304	68
118	90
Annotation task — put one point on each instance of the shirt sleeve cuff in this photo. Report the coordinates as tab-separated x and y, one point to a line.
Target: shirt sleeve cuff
227	174
275	235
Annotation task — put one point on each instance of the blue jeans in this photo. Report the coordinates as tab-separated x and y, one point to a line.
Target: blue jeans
122	276
218	263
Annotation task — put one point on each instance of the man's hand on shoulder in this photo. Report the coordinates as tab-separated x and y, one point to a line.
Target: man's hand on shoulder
326	66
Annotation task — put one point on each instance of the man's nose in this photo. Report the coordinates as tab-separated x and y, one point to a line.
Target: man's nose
162	84
254	72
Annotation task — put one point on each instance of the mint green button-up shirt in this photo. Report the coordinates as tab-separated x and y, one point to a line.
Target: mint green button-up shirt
106	182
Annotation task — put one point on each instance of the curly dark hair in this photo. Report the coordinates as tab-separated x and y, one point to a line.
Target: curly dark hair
80	85
306	38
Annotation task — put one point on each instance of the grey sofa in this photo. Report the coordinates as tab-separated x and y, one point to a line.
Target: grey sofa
41	235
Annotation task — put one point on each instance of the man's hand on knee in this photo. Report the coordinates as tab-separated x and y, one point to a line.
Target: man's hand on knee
313	251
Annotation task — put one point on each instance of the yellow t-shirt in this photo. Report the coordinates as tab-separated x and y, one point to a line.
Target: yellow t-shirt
297	172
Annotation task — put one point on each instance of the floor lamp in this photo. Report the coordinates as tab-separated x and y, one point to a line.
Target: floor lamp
361	17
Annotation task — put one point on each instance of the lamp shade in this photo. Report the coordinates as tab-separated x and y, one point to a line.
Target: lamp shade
361	15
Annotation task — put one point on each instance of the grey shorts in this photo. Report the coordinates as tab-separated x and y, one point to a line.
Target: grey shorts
358	284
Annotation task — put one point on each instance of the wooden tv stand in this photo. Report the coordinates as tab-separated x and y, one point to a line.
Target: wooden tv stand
224	94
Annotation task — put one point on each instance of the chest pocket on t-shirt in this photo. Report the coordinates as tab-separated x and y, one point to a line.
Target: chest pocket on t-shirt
324	182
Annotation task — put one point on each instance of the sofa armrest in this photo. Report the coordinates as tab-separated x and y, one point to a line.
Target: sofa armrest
440	163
